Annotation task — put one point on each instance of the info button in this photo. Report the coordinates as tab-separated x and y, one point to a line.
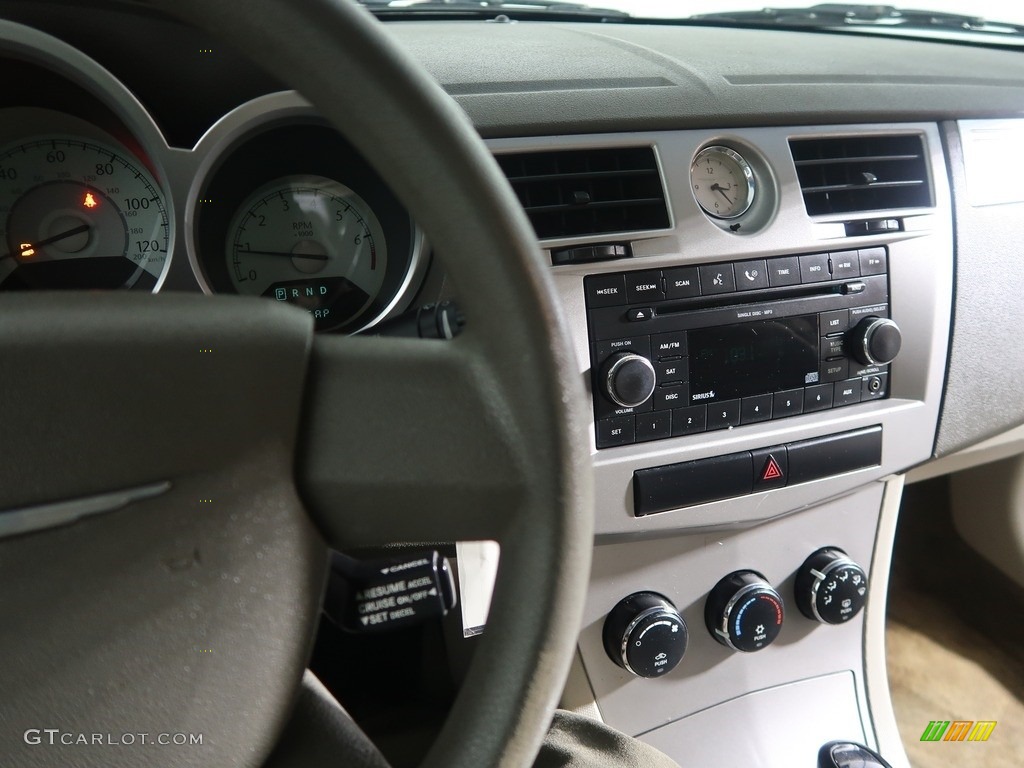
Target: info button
814	268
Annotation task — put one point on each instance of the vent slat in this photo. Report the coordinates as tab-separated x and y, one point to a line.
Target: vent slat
865	159
594	175
852	174
571	193
606	204
876	185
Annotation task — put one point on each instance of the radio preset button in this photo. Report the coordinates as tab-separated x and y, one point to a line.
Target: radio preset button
817	398
845	264
835	370
605	290
788	403
687	421
846	392
837	321
784	271
644	286
873	261
669	344
755	409
617	431
682	283
716	278
653	426
751	275
724	414
672	371
814	268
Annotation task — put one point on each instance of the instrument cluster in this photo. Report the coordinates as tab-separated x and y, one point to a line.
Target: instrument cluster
269	202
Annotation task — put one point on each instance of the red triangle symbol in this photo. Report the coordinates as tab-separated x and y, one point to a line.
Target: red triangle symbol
772	470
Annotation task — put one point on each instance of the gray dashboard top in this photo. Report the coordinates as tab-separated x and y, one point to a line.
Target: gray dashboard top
527	78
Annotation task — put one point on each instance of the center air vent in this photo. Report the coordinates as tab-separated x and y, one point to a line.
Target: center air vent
588	192
862	173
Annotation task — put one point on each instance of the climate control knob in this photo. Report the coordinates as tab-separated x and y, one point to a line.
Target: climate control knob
744	612
628	379
830	587
875	341
644	634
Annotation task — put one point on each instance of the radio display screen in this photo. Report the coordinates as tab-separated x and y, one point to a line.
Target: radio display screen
753	358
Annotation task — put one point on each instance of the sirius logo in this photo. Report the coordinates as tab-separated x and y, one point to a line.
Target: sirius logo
704	395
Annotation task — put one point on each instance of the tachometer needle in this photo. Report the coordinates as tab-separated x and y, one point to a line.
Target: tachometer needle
28	249
314	256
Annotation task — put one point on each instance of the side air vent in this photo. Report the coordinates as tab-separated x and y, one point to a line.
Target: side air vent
588	192
862	173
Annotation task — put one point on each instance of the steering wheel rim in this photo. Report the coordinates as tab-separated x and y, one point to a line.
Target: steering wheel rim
516	453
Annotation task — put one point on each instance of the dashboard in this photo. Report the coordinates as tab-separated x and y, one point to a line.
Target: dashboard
784	274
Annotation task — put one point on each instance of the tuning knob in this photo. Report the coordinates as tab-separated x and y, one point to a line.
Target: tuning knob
644	634
743	612
830	587
628	379
875	341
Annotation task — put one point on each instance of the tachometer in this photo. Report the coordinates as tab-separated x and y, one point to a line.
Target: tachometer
310	241
79	213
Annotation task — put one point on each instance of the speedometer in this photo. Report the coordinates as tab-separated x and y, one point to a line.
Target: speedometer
79	213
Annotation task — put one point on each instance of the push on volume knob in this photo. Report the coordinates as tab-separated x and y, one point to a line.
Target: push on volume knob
644	634
628	379
875	341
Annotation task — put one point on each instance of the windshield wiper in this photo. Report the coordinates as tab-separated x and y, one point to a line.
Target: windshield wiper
512	9
840	15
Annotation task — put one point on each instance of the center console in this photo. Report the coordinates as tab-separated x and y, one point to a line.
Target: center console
757	377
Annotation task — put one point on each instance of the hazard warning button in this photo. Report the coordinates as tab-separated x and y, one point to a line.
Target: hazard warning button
771	468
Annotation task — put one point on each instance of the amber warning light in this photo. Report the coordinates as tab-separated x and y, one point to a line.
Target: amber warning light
90	201
27	250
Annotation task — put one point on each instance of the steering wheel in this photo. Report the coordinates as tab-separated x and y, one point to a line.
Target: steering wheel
174	466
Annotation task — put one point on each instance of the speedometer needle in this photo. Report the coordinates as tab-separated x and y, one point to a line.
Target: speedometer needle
315	256
55	239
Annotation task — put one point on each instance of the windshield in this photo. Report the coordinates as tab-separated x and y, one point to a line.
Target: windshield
992	10
944	18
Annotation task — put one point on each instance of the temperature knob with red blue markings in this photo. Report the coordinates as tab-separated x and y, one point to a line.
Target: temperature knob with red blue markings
743	612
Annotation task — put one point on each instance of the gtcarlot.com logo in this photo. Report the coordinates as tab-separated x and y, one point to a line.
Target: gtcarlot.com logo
54	736
958	730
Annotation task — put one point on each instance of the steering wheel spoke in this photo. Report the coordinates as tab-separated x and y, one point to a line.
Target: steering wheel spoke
405	442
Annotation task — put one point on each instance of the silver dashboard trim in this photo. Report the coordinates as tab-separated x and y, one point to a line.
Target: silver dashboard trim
31	45
216	144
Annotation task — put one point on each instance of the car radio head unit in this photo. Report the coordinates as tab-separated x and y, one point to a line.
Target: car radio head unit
684	350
